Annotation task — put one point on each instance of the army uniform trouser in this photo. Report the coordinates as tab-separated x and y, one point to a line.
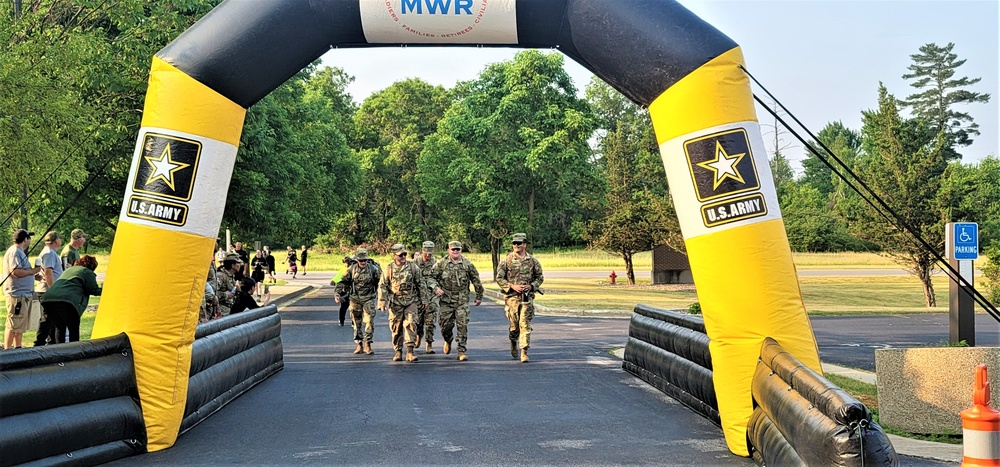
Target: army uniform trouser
520	311
363	321
403	324
452	315
427	322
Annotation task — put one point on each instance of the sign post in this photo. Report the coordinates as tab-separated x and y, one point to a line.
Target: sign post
962	249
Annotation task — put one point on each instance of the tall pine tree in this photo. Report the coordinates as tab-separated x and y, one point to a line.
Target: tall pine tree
933	73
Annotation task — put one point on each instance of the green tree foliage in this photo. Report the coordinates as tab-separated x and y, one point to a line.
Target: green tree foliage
512	153
933	74
971	193
391	128
294	170
903	162
634	212
781	169
845	144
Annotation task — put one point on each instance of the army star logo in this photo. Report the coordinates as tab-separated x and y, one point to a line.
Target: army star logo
164	168
167	166
721	164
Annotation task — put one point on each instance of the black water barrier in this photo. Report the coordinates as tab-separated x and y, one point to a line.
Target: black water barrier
231	355
669	350
801	418
70	404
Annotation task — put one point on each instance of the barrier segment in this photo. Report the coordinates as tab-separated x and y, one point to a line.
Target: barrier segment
981	426
175	196
722	187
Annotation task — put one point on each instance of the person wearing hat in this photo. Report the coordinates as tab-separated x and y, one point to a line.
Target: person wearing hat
18	288
226	278
519	276
360	285
404	292
427	315
450	279
52	268
343	298
70	253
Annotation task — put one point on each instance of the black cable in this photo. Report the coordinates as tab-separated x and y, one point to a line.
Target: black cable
895	218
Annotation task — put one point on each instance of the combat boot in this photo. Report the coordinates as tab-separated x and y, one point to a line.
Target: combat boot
358	350
429	349
447	347
368	348
524	355
462	357
513	348
410	356
398	356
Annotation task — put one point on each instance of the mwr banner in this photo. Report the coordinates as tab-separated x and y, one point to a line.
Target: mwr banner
439	21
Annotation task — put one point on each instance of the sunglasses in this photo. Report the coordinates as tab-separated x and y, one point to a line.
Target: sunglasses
456	249
517	243
401	255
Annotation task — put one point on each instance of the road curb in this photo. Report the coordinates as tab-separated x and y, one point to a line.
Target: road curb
288	297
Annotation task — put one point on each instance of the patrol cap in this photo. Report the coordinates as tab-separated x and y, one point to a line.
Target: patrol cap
51	236
428	246
78	234
21	235
361	254
455	244
398	248
519	237
233	256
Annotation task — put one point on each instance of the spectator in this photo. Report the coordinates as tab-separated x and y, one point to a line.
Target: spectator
244	260
70	253
291	258
210	302
67	298
18	288
270	264
52	268
303	257
258	265
226	278
244	296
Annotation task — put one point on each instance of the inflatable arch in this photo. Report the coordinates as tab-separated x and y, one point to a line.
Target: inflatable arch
655	52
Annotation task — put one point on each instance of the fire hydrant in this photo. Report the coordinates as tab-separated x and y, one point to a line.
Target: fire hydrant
613	276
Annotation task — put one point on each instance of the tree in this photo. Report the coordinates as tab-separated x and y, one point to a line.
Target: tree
845	144
933	71
512	153
634	212
903	161
781	169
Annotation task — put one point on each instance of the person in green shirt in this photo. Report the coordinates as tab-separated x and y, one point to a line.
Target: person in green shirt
67	298
70	253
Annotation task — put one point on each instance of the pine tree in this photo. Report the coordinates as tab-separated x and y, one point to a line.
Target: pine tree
933	72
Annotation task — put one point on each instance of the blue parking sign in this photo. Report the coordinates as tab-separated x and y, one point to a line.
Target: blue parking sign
966	240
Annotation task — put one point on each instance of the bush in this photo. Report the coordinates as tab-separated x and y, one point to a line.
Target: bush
991	274
694	308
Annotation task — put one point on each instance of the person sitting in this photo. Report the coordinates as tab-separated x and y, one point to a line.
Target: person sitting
244	296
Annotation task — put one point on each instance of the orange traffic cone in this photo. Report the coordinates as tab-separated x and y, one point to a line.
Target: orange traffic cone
981	426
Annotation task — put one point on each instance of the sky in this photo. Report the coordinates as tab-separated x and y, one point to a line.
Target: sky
823	59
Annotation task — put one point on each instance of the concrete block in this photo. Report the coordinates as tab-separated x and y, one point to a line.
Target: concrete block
923	390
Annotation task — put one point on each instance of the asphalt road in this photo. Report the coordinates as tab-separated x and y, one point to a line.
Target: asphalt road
571	405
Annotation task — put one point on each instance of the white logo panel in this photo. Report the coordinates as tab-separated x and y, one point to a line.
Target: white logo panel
439	21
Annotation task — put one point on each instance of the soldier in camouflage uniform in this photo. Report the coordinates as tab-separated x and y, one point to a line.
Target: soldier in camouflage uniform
210	302
450	279
226	279
428	315
403	293
519	276
360	284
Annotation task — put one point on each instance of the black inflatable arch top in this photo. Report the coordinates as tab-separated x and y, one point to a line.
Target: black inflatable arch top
244	49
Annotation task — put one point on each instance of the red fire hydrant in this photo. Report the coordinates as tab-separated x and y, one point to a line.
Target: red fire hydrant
613	276
981	425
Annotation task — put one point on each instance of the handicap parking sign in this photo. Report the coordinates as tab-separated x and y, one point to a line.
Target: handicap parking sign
965	240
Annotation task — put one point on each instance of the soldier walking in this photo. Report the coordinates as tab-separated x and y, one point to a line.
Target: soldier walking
519	276
450	279
428	315
403	293
360	284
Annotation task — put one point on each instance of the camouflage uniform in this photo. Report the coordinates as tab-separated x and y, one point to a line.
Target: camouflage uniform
227	282
361	286
403	293
454	278
520	308
210	302
428	315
